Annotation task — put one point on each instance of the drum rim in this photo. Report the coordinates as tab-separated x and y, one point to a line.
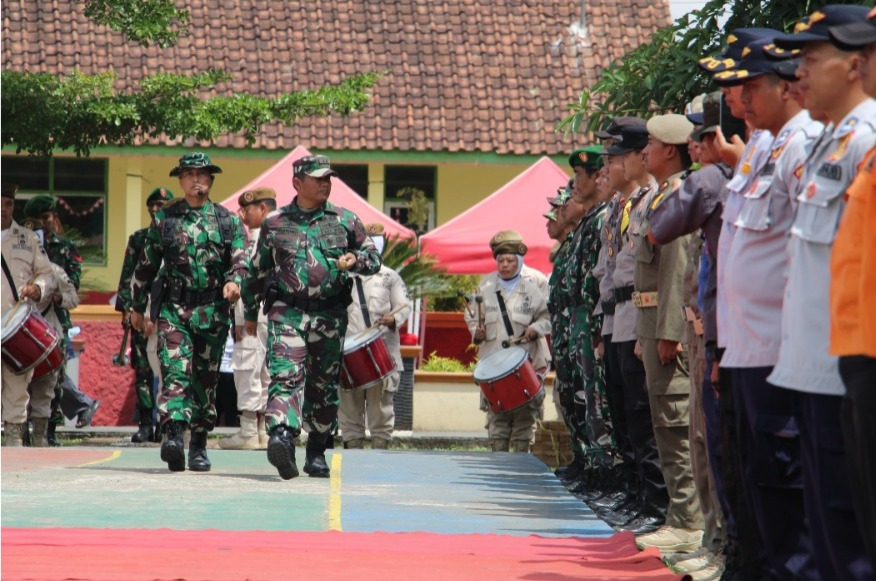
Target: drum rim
6	333
503	351
366	339
527	402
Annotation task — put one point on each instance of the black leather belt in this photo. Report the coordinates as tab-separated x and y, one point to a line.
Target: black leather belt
608	307
200	298
623	294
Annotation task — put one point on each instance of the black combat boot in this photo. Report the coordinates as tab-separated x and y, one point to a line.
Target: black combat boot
51	437
145	433
172	450
281	452
198	461
314	464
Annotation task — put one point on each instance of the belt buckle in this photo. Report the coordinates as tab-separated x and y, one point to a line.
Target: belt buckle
637	300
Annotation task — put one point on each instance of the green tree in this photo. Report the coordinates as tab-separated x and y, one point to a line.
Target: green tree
662	75
44	112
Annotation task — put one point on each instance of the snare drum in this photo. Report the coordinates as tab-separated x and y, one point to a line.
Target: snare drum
508	379
366	361
29	342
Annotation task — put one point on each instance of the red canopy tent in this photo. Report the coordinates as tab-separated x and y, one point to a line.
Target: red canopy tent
462	244
279	177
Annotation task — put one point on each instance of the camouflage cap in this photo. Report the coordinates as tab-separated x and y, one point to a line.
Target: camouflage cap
159	195
375	229
315	166
589	157
195	160
551	215
9	190
257	195
39	204
507	242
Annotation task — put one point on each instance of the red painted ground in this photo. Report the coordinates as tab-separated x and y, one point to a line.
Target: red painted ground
132	555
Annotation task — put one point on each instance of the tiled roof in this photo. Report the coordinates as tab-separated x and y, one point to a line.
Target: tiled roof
464	75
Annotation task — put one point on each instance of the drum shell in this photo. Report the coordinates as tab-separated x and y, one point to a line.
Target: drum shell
511	389
366	365
33	344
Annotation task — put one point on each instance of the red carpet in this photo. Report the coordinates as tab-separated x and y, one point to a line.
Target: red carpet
139	555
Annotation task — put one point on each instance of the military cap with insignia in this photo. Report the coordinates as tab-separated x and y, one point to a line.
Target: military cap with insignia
816	27
753	63
507	242
8	190
632	138
617	124
159	195
257	195
315	166
737	40
589	157
375	229
671	129
855	35
551	215
39	204
195	160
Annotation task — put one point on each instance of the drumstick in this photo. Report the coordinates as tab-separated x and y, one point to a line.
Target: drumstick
515	341
465	302
377	323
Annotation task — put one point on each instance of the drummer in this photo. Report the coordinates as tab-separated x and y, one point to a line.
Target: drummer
513	310
380	301
27	274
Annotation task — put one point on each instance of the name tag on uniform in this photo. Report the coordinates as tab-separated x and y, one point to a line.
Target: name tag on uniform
831	171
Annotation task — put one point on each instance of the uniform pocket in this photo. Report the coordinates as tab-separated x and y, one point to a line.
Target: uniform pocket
246	354
755	211
818	213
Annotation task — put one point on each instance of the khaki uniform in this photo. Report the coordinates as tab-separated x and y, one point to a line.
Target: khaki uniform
658	282
373	407
526	306
27	261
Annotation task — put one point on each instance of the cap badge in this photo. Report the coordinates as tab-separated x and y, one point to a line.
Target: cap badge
807	23
247	197
746	51
583	157
732	39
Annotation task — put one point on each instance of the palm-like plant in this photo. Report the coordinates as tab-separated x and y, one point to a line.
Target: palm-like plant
421	273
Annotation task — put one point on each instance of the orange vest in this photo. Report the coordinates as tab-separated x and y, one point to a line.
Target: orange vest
853	268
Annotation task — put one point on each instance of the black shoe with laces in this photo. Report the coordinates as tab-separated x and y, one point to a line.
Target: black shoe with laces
281	453
198	461
314	461
172	450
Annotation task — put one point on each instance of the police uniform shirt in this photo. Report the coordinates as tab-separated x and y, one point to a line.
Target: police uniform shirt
804	363
758	252
27	261
697	204
383	292
604	268
754	157
626	313
526	306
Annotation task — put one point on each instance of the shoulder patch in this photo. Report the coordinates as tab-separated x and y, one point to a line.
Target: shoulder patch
847	127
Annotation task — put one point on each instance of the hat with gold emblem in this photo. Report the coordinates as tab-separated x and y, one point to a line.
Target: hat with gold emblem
855	35
507	242
589	157
257	195
737	40
816	27
159	195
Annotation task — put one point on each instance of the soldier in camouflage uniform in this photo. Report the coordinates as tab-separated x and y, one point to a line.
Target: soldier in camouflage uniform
41	210
307	251
194	261
143	376
590	372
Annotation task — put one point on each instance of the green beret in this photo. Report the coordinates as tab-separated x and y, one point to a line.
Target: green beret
159	195
257	195
196	160
589	157
38	205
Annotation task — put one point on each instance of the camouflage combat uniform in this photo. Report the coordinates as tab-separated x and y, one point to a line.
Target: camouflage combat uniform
589	372
194	252
64	253
143	376
307	300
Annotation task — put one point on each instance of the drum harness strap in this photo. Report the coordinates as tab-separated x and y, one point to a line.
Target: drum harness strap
504	311
362	303
9	278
